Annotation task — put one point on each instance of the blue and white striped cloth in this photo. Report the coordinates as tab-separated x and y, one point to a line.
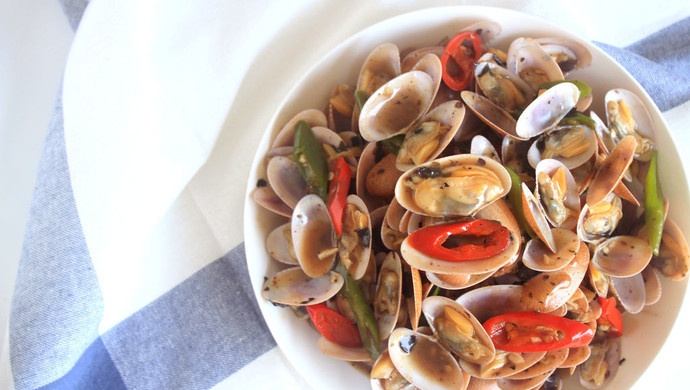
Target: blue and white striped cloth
205	329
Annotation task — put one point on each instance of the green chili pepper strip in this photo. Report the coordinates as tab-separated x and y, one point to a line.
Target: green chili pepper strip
585	90
515	198
360	98
310	160
435	291
364	315
578	119
653	206
393	144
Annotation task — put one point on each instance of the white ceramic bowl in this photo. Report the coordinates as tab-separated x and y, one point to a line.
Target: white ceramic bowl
645	332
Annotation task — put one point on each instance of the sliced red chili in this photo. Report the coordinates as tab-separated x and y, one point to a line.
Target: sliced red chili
472	240
459	58
528	331
333	326
337	192
611	320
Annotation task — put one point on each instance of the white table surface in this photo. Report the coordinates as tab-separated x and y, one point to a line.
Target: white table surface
34	42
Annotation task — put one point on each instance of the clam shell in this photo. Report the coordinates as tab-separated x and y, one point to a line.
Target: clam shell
457	281
622	256
496	117
673	260
354	244
349	354
388	291
606	349
397	105
413	57
434	308
571	200
643	130
449	115
268	199
569	54
486	29
526	360
539	257
547	110
557	151
483	147
293	287
576	356
611	170
532	382
549	290
423	361
630	292
381	65
536	218
286	180
491	80
652	285
490	301
444	187
313	236
278	244
286	135
610	219
528	60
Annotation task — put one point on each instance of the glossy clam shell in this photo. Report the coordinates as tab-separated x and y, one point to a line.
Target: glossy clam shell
571	201
451	114
360	260
490	301
611	170
645	126
407	191
584	214
630	291
535	155
425	364
286	180
286	135
536	218
397	105
481	146
533	382
496	117
413	57
498	96
277	244
457	281
387	320
312	233
673	260
622	256
578	55
610	347
539	257
295	288
433	307
547	110
549	290
576	356
529	359
652	285
382	64
349	354
268	199
486	29
526	55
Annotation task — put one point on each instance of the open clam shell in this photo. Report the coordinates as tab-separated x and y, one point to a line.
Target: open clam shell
286	180
286	135
354	243
527	59
536	218
504	88
622	256
295	288
384	375
611	170
481	146
547	110
381	65
673	260
652	285
557	192
413	57
388	294
550	361
397	105
597	223
457	281
568	53
279	245
626	115
458	330
490	301
496	117
486	29
423	361
571	145
313	236
504	364
539	257
631	292
349	354
434	133
267	198
455	185
549	290
602	364
532	382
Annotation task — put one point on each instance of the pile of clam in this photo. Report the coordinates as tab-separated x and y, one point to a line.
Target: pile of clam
518	149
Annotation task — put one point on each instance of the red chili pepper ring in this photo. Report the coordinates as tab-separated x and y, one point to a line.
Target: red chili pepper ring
459	58
472	240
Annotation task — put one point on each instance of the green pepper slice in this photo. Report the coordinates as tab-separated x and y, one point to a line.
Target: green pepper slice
653	206
515	199
310	160
364	315
585	89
